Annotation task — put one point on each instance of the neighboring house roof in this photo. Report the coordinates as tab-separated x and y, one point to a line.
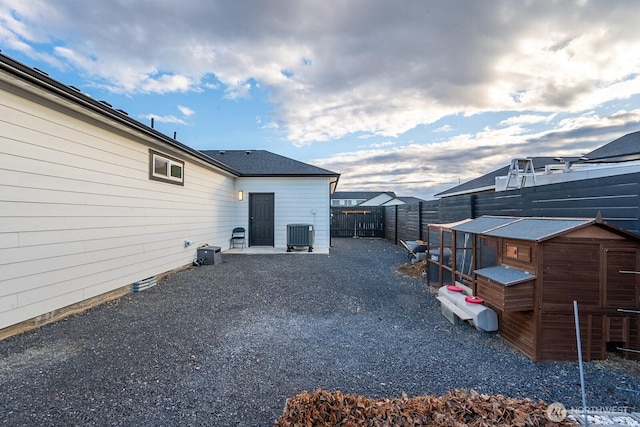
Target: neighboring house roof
392	202
623	149
385	199
487	182
483	183
248	163
356	195
378	200
410	199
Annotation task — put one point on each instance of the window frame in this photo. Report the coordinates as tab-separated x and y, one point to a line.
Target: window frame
171	163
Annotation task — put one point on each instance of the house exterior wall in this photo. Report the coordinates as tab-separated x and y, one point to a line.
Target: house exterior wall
79	216
296	199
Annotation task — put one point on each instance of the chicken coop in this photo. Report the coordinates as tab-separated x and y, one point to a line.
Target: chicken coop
530	270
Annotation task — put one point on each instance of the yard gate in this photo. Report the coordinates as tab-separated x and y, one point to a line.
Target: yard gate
357	222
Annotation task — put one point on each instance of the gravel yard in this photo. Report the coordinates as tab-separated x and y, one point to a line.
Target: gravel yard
227	344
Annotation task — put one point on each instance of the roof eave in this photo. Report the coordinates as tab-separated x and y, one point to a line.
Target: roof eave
282	175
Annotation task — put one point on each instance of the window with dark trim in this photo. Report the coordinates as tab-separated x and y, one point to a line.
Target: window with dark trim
165	168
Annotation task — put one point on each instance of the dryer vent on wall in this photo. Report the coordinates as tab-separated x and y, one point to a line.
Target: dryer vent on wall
300	235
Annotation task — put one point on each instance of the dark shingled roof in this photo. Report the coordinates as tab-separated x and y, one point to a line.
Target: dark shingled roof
623	149
489	180
265	163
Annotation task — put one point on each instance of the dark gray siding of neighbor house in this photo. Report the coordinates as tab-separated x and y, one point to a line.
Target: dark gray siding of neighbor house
616	198
456	208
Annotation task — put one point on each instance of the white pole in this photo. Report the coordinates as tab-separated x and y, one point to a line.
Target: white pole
584	395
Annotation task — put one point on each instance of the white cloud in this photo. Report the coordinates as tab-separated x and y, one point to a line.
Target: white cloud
186	110
423	169
525	119
444	128
382	144
350	68
163	119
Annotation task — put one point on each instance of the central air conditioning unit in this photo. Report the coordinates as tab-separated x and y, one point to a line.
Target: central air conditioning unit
300	235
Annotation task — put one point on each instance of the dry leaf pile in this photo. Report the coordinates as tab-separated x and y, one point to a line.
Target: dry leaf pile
456	408
414	270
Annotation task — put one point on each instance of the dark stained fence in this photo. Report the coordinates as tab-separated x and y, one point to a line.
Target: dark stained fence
391	224
400	224
456	208
409	221
616	198
358	222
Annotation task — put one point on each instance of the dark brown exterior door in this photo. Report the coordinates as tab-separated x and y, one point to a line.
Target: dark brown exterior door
261	207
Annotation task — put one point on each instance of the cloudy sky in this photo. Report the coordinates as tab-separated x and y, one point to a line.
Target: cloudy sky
406	96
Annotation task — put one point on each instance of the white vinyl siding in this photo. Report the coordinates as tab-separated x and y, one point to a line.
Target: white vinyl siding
79	215
295	201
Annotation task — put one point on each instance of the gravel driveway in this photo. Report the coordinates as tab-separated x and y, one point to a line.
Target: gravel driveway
225	345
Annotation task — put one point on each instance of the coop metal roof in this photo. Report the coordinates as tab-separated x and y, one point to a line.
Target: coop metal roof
534	229
505	275
537	229
483	224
